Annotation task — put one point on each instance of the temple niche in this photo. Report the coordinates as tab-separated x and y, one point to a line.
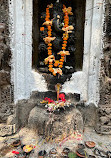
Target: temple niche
26	79
55	75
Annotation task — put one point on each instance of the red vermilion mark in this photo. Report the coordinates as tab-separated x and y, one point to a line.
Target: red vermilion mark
15	152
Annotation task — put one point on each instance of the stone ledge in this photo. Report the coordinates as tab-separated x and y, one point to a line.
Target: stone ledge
103	129
7	129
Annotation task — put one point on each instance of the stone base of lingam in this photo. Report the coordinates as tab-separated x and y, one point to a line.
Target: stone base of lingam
55	124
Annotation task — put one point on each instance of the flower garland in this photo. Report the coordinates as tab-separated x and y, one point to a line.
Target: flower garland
65	38
49	35
50	59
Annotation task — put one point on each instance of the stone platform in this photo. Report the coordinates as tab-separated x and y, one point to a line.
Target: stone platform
30	112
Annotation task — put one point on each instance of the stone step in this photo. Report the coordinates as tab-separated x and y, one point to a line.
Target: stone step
38	96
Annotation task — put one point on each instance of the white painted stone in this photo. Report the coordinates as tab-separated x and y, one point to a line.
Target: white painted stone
95	54
38	82
76	84
22	75
26	80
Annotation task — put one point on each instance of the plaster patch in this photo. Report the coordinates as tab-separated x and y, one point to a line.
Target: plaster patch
76	84
38	82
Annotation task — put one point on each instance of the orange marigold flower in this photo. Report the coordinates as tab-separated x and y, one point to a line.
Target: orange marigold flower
49	44
47	16
46	19
47	12
66	23
65	39
49	48
66	16
63	48
50	66
61	63
49	27
49	53
41	28
57	61
62	56
65	42
51	69
64	45
64	6
60	66
62	60
64	34
65	12
49	32
54	74
66	20
50	63
55	64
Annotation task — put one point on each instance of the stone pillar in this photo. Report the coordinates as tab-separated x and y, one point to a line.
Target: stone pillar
20	28
104	112
7	108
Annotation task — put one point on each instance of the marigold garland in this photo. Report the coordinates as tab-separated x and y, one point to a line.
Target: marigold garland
57	63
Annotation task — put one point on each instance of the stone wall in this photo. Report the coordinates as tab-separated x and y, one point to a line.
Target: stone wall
7	108
104	111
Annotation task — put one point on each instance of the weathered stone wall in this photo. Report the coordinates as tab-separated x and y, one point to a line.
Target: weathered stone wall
4	14
5	88
7	108
104	111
